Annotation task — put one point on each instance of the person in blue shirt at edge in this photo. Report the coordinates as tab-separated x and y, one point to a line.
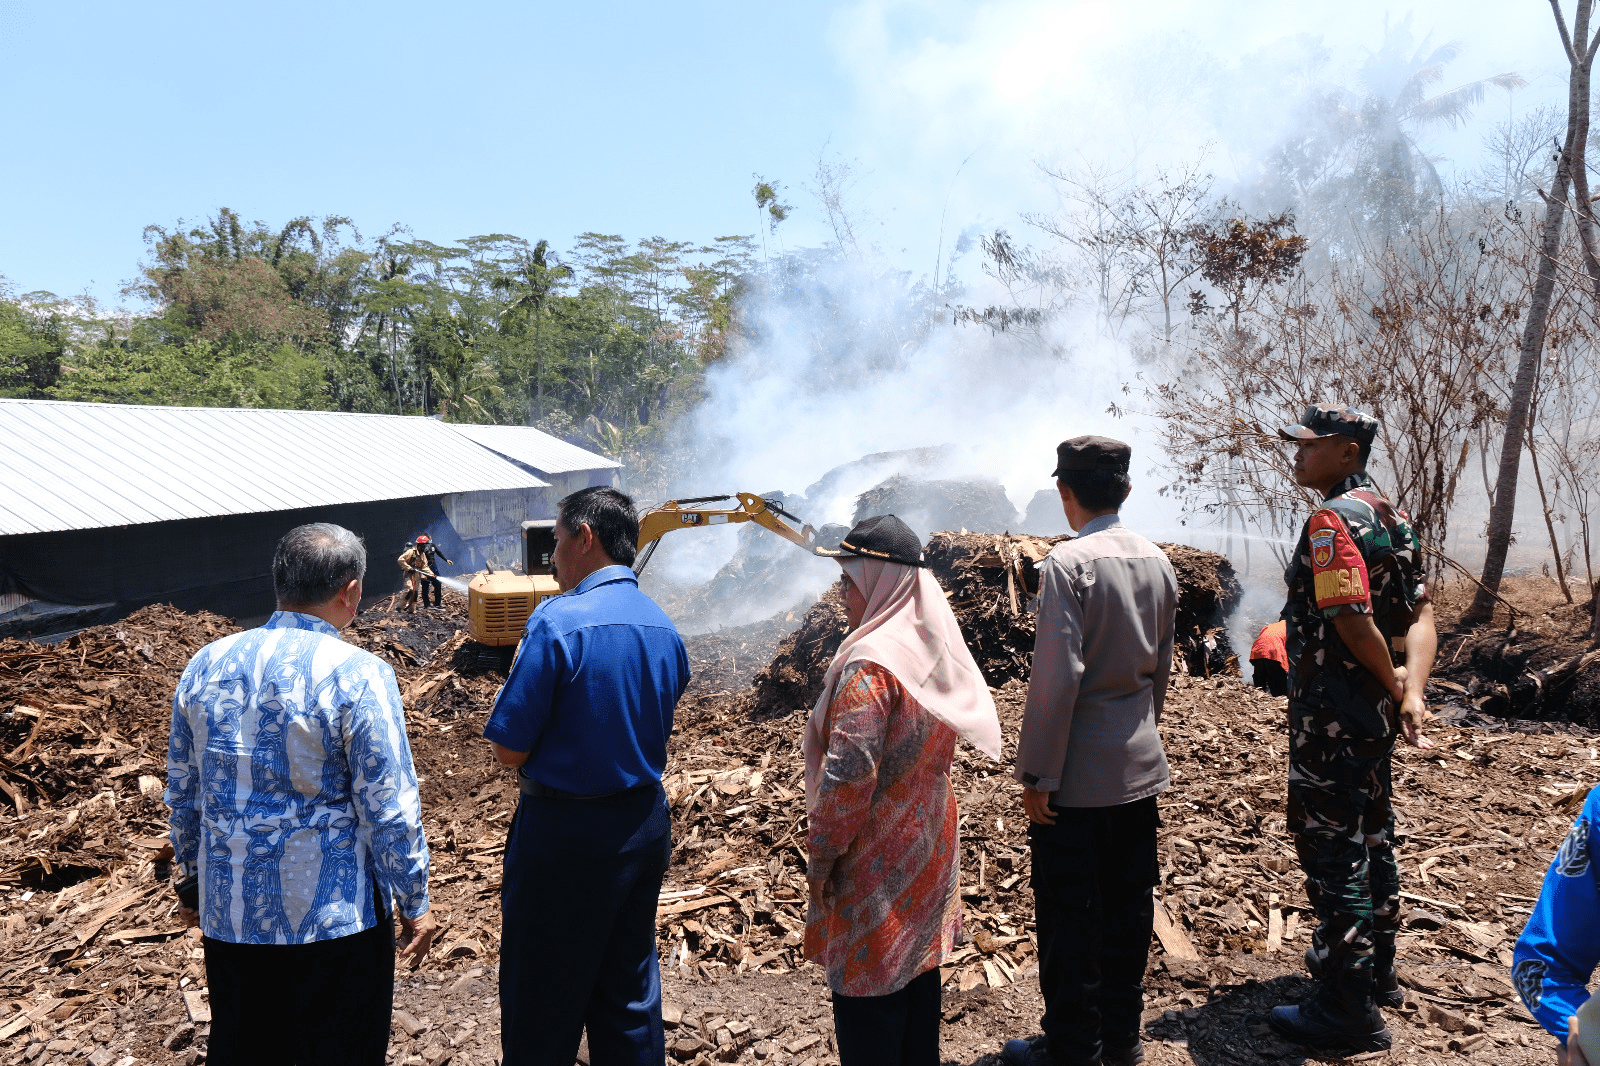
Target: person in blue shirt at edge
1560	946
584	716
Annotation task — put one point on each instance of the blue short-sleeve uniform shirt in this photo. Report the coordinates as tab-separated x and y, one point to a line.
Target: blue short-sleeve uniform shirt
1560	946
593	688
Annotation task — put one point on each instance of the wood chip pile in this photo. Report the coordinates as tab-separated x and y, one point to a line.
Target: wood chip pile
97	967
83	729
1481	815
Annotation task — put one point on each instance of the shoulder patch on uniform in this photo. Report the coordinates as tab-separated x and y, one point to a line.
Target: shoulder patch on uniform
1339	573
1572	860
1528	976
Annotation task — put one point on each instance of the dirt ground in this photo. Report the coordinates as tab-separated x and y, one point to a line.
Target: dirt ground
97	968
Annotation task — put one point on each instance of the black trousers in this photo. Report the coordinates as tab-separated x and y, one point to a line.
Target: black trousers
430	581
320	1004
1093	872
1269	675
578	944
900	1029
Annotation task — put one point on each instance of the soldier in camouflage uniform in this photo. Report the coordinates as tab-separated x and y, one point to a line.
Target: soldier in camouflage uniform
1358	617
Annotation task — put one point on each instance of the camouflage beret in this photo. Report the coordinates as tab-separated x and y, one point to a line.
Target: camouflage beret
1092	453
1327	420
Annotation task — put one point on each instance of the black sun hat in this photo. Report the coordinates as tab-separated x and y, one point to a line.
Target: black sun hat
1092	453
880	537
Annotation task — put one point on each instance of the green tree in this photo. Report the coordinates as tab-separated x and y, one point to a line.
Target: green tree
529	283
31	344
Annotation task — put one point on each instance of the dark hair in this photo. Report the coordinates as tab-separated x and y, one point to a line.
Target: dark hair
1097	490
313	562
1365	453
609	515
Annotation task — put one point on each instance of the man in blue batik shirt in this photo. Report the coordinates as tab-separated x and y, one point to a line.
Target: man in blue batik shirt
294	805
1560	946
585	716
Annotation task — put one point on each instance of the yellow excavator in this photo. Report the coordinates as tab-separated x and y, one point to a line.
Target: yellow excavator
500	601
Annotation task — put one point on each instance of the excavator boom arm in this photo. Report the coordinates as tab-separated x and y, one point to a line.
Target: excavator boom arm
676	514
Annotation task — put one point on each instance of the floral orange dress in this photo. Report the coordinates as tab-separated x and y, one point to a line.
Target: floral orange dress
882	832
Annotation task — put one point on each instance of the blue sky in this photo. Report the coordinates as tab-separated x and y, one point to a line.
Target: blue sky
456	119
643	119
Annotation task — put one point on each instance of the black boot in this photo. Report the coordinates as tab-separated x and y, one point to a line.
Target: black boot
1316	955
1385	981
1132	1055
1340	1014
1035	1051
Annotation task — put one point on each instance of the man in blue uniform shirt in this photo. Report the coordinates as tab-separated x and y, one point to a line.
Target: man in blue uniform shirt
585	717
1560	946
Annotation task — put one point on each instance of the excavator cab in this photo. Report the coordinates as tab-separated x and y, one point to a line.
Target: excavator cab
538	547
500	601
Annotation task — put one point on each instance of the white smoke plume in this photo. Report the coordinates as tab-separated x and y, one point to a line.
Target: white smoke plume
958	107
845	363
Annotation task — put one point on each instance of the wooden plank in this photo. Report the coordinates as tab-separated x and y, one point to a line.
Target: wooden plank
1448	848
693	905
1432	902
1174	941
194	1002
21	1021
127	936
1274	924
15	1025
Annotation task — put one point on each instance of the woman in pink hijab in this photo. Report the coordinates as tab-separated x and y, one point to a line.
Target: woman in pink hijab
883	857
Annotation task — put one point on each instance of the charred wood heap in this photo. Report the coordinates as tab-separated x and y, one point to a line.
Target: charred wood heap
990	580
970	503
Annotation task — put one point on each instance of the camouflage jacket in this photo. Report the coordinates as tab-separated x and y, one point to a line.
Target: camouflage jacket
1357	553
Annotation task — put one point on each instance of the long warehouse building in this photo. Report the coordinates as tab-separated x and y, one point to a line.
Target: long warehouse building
106	508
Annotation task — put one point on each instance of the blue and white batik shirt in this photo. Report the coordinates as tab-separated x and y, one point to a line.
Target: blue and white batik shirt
291	786
1560	946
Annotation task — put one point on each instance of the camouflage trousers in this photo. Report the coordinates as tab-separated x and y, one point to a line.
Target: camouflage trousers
1342	819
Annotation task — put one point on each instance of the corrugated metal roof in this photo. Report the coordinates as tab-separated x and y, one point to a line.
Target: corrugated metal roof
546	454
89	465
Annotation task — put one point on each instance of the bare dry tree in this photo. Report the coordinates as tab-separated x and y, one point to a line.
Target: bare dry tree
1570	165
1136	240
1564	420
1416	333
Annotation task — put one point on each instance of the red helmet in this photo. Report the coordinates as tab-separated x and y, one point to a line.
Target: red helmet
422	539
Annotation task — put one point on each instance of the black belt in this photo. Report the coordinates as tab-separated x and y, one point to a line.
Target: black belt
539	790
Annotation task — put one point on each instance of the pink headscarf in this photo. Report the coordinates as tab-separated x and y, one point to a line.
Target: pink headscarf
909	630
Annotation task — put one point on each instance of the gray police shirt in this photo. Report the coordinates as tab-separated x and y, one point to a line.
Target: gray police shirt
1102	655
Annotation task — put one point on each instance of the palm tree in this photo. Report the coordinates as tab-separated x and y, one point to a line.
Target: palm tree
463	380
1399	105
531	280
1364	169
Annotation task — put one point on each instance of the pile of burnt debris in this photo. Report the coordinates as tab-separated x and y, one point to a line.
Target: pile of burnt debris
991	580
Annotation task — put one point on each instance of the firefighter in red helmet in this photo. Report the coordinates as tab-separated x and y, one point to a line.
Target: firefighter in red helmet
422	572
